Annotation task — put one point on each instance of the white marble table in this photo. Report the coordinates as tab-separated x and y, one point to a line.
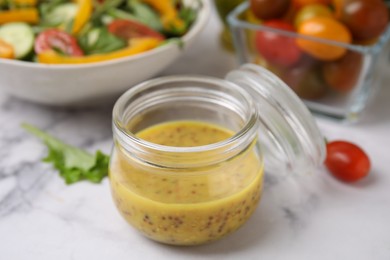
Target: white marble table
309	217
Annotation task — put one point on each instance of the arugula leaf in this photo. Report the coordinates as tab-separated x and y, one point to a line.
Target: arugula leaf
73	164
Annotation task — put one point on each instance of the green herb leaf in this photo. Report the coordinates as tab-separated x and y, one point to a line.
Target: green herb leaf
73	164
58	15
188	15
145	14
100	40
120	14
101	9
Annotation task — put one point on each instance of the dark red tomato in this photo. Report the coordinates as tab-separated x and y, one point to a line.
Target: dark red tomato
347	161
343	74
269	9
54	39
126	30
276	48
366	19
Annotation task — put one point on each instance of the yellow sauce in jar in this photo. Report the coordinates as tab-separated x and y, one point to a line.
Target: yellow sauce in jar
186	206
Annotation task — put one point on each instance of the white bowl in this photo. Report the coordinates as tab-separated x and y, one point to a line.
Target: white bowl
86	84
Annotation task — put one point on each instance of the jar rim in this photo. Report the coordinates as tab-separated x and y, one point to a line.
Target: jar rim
249	126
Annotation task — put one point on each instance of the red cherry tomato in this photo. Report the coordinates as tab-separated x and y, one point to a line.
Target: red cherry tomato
269	9
55	39
126	30
366	19
276	48
347	161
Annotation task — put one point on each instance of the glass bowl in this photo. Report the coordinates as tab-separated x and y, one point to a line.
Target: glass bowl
339	89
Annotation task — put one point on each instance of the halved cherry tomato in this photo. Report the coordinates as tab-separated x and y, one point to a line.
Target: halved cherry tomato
347	161
300	3
311	11
325	28
276	48
126	30
54	39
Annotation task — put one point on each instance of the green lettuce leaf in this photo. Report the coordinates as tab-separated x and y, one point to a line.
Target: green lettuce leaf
73	164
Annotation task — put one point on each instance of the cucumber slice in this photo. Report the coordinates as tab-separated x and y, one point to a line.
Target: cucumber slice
61	14
20	36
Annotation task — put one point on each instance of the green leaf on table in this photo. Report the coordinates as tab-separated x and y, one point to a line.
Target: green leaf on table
73	164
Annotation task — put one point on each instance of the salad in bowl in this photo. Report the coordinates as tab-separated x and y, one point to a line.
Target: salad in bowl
88	52
86	31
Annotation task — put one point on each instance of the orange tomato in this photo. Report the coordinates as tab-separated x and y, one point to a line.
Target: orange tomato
300	3
324	28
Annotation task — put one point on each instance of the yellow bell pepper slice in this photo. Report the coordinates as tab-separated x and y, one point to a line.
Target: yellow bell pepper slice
82	16
6	50
137	45
25	2
168	12
28	15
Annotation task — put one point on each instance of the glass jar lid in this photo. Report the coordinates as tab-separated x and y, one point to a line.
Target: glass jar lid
289	136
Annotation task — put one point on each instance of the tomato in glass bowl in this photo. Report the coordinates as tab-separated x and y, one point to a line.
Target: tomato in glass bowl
340	67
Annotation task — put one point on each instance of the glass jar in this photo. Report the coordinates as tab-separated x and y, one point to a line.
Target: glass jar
193	195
